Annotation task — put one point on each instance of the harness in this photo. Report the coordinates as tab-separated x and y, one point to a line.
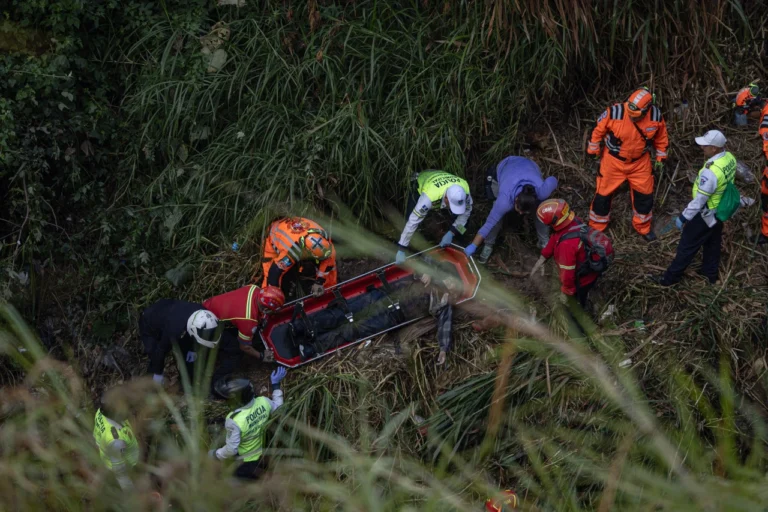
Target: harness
309	328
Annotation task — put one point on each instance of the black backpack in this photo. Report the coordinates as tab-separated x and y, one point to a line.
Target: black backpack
598	247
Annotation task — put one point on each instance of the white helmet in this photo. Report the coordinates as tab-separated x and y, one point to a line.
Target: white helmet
457	199
202	326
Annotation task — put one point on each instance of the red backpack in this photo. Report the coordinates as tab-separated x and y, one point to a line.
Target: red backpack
598	247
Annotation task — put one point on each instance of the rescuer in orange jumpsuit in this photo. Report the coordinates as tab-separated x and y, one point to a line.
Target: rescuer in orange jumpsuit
747	101
763	130
299	244
630	131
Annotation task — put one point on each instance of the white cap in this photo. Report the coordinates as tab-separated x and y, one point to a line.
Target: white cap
457	199
712	138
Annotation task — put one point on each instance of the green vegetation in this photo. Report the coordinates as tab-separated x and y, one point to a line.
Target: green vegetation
122	156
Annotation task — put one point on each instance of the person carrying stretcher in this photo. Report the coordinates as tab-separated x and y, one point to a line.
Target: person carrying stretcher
296	247
384	308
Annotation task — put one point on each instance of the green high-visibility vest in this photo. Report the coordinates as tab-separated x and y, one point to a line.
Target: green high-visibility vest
106	434
724	169
252	422
435	183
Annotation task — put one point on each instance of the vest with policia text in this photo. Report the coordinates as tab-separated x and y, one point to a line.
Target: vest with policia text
105	434
252	422
435	183
724	168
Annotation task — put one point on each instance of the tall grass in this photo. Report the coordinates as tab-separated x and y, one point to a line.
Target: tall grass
333	98
559	420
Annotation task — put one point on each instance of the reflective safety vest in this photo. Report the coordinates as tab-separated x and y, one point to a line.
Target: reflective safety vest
724	169
252	422
106	434
435	183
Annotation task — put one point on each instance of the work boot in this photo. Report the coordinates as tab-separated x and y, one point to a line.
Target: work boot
485	254
650	237
661	280
759	239
705	276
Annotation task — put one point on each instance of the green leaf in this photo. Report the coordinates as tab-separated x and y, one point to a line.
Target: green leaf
179	275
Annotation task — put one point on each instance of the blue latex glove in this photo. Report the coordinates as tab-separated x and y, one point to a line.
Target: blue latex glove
679	222
278	375
157	378
399	257
470	249
447	239
212	454
191	357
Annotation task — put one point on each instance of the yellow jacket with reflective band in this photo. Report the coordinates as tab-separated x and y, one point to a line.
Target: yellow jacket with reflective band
435	183
252	422
106	434
724	169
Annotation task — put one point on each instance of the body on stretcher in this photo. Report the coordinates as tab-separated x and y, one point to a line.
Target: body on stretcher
359	309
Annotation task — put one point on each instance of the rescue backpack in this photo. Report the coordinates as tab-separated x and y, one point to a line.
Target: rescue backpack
729	203
597	246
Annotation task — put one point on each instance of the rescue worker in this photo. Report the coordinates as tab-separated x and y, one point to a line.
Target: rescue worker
505	503
576	280
117	443
435	190
698	221
296	246
630	132
245	308
747	100
247	425
517	184
171	322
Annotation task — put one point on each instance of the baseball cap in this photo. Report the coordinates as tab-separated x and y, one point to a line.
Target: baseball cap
712	138
457	199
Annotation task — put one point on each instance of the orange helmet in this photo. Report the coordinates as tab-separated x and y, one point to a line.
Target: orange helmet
317	243
639	102
509	502
271	298
747	95
555	213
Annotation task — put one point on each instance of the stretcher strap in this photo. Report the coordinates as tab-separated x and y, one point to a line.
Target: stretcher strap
342	303
309	329
394	306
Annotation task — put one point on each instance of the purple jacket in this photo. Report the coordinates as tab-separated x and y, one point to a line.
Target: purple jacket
512	174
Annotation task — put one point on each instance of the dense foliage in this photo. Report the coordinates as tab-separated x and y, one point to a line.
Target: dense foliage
142	137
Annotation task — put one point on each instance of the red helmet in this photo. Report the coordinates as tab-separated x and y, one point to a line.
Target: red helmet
271	298
555	213
639	102
507	503
317	243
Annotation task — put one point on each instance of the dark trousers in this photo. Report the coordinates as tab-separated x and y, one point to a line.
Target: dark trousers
158	353
582	293
697	234
229	356
251	470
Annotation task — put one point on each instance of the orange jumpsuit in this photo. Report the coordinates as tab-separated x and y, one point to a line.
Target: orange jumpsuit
284	248
764	181
626	156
